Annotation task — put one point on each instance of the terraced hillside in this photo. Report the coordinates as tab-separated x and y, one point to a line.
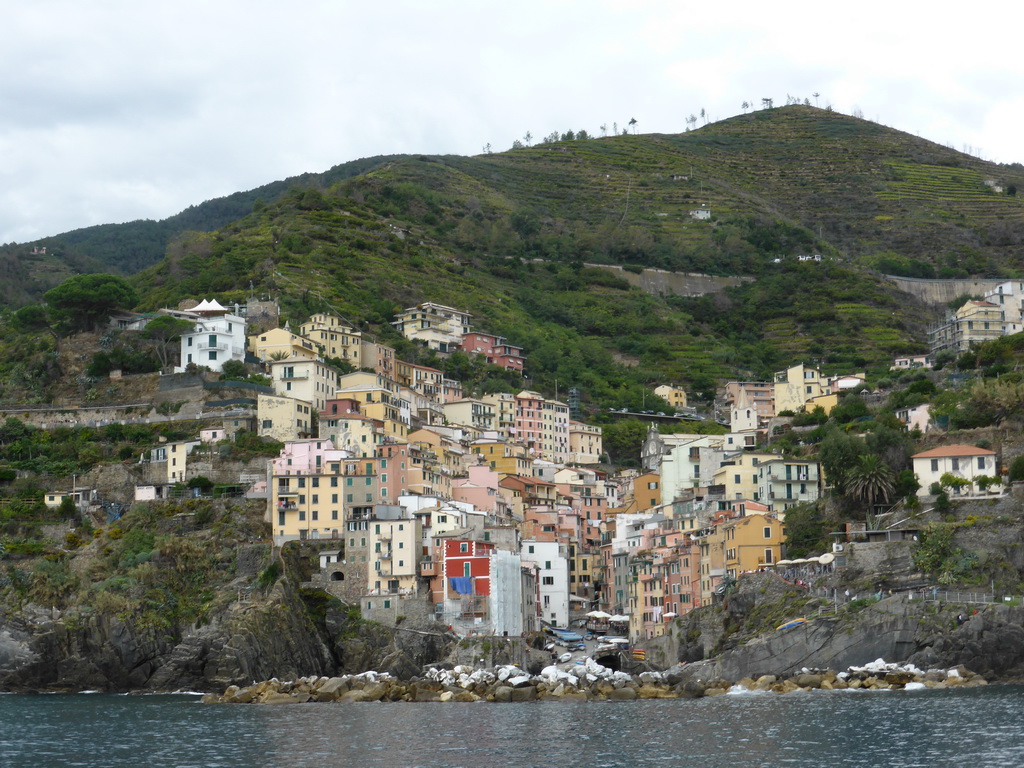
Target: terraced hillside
509	235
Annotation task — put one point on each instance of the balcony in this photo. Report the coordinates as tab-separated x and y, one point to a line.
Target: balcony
429	568
206	345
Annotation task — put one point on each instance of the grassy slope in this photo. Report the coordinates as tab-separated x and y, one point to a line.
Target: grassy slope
366	239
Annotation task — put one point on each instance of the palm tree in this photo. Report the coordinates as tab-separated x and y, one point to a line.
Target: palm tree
870	480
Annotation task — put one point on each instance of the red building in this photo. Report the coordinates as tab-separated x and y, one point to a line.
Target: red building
464	571
495	349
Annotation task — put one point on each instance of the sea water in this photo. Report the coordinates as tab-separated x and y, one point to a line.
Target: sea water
982	727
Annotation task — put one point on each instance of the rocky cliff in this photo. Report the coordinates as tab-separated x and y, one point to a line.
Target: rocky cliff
726	643
186	596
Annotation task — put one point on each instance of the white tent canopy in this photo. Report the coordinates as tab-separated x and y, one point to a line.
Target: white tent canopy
598	615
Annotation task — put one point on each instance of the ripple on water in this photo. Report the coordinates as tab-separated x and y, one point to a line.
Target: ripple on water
930	729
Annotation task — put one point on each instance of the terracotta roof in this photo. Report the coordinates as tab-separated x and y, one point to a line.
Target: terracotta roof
953	450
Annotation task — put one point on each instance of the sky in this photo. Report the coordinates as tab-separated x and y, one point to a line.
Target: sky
112	111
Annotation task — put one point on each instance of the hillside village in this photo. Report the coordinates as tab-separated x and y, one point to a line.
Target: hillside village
499	514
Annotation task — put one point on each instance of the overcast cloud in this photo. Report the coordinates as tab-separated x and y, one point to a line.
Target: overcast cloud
114	111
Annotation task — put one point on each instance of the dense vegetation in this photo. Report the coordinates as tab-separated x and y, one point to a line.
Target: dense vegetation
509	236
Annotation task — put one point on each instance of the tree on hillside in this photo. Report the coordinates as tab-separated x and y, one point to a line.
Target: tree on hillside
870	480
83	301
624	439
632	124
165	331
839	452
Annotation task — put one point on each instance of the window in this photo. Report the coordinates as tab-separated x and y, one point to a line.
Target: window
767	532
548	581
213	355
316	498
981	462
955	464
334	514
464	547
935	465
280	517
316	515
466	571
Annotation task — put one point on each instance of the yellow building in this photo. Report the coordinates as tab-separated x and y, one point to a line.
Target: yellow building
505	458
334	338
751	542
738	474
315	488
283	418
796	385
736	546
973	323
393	554
825	402
469	412
308	380
646	492
504	406
674	396
441	328
279	343
585	443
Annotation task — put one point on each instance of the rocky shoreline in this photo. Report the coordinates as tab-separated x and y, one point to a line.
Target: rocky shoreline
590	682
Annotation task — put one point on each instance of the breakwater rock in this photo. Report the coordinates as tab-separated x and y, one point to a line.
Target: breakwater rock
588	681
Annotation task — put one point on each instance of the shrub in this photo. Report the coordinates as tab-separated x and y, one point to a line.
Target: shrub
1017	468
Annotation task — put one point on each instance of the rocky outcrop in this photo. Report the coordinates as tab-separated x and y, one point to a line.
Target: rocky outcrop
585	682
255	640
990	642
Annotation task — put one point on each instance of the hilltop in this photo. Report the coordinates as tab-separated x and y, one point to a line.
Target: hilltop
508	236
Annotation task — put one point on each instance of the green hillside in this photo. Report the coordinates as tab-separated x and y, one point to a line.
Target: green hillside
509	236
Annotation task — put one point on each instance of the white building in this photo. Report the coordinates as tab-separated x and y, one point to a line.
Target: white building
552	579
216	337
966	462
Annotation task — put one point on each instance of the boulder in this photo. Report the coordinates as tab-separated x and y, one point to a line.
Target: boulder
524	693
622	694
503	693
284	698
808	680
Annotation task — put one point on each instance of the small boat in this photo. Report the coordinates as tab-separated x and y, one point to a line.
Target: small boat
565	657
790	624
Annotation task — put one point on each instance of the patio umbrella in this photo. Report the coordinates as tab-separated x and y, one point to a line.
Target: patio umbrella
599	615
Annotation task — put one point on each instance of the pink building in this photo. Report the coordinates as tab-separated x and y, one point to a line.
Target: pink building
529	420
480	489
495	349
